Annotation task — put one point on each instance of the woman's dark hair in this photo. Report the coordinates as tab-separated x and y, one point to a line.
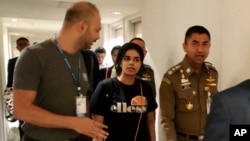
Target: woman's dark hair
122	52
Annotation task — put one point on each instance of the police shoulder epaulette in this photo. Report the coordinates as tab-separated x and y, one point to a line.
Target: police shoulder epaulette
173	69
209	65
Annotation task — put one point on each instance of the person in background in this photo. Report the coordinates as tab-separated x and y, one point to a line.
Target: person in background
146	73
110	71
101	54
187	88
124	103
51	81
229	107
21	43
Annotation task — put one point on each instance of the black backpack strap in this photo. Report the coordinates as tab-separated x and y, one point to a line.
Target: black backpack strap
108	86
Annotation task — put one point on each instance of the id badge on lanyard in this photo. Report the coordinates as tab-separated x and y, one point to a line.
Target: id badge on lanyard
81	109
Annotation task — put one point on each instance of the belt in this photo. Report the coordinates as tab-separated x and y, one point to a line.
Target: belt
191	137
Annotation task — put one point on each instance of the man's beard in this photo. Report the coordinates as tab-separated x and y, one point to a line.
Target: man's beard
84	44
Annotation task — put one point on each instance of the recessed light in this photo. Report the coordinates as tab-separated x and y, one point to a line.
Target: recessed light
14	20
116	13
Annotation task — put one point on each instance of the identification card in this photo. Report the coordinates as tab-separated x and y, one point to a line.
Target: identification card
209	100
81	110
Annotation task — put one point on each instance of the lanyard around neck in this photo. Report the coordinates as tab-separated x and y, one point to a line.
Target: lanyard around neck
75	79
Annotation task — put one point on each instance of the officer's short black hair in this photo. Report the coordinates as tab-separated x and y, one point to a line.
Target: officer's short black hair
122	52
22	38
100	50
118	47
196	29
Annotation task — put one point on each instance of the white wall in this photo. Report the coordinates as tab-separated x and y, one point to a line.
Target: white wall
164	23
236	42
3	44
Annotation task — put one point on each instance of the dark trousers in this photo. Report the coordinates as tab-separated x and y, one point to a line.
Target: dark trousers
79	138
20	129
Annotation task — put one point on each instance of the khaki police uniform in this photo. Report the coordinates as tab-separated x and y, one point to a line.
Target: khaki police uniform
185	99
147	74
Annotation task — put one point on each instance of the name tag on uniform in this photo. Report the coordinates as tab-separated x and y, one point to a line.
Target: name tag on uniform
185	87
81	109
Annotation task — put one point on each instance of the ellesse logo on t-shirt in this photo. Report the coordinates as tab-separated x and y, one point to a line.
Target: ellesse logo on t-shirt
138	104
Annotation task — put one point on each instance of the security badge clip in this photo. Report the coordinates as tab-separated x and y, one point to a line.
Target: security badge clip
209	99
81	109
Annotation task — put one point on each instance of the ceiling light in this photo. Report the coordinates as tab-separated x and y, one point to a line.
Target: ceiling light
14	20
116	13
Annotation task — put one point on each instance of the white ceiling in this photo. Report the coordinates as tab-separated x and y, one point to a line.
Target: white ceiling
41	19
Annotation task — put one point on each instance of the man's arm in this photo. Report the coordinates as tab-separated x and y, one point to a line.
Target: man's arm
100	119
167	108
26	110
217	126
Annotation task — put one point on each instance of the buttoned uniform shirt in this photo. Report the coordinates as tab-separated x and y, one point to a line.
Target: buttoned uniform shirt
147	74
184	98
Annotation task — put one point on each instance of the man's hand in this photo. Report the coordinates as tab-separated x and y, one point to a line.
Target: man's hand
91	128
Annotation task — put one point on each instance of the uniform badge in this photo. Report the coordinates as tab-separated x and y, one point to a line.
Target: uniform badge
206	88
184	82
189	106
211	81
146	77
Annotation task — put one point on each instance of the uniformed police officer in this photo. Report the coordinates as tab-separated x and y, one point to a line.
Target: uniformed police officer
146	73
187	88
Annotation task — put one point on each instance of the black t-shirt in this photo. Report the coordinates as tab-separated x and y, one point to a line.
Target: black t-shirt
121	105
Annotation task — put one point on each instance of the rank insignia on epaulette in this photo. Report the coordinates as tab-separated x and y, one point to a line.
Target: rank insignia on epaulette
170	72
177	67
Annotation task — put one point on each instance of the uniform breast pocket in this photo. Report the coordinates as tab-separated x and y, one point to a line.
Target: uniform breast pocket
187	101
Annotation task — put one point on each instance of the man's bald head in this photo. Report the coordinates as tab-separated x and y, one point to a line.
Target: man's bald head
80	11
